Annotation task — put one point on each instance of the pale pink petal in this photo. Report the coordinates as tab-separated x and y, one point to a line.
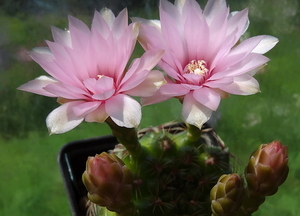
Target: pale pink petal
238	53
43	53
124	111
238	22
156	98
267	43
168	8
172	35
83	109
133	81
99	25
108	16
173	90
59	51
98	115
171	70
149	86
150	37
100	64
193	112
140	69
79	32
63	119
46	62
180	4
103	83
80	67
242	85
105	95
254	71
217	33
61	36
195	39
208	97
184	6
191	86
120	23
192	78
212	8
224	81
222	93
125	46
37	86
155	23
61	90
249	63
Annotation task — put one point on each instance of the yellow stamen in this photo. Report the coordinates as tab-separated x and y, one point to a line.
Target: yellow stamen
196	67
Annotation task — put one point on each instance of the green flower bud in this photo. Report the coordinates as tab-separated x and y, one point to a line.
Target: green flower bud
108	182
267	168
226	195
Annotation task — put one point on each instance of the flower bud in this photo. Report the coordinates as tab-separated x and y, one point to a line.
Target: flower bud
108	181
267	168
226	195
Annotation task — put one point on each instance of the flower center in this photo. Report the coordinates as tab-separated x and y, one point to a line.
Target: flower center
196	67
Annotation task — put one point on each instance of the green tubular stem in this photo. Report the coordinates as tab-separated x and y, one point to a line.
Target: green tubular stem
128	137
193	133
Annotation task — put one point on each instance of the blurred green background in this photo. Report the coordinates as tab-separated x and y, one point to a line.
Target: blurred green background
30	182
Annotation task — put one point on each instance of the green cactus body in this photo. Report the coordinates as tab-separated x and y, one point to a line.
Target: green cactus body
180	170
175	174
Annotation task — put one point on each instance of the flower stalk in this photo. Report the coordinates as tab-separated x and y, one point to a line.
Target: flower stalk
128	137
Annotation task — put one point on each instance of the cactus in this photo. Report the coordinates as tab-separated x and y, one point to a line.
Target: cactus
175	169
180	170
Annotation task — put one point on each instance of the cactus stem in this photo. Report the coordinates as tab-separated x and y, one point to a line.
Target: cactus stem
127	136
193	133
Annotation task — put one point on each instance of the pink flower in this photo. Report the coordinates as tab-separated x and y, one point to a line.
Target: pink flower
88	73
203	56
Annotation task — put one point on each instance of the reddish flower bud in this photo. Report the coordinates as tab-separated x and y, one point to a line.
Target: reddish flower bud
108	181
267	168
226	195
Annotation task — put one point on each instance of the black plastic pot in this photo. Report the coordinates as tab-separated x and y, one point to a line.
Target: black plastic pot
72	160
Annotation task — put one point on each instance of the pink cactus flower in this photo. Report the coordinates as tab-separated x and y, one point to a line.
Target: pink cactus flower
89	75
204	57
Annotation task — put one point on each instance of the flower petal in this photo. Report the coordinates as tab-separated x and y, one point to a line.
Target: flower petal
98	115
84	108
212	8
193	112
156	98
63	119
37	86
138	71
124	111
208	97
149	86
267	43
173	90
242	85
108	16
120	23
68	92
61	36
